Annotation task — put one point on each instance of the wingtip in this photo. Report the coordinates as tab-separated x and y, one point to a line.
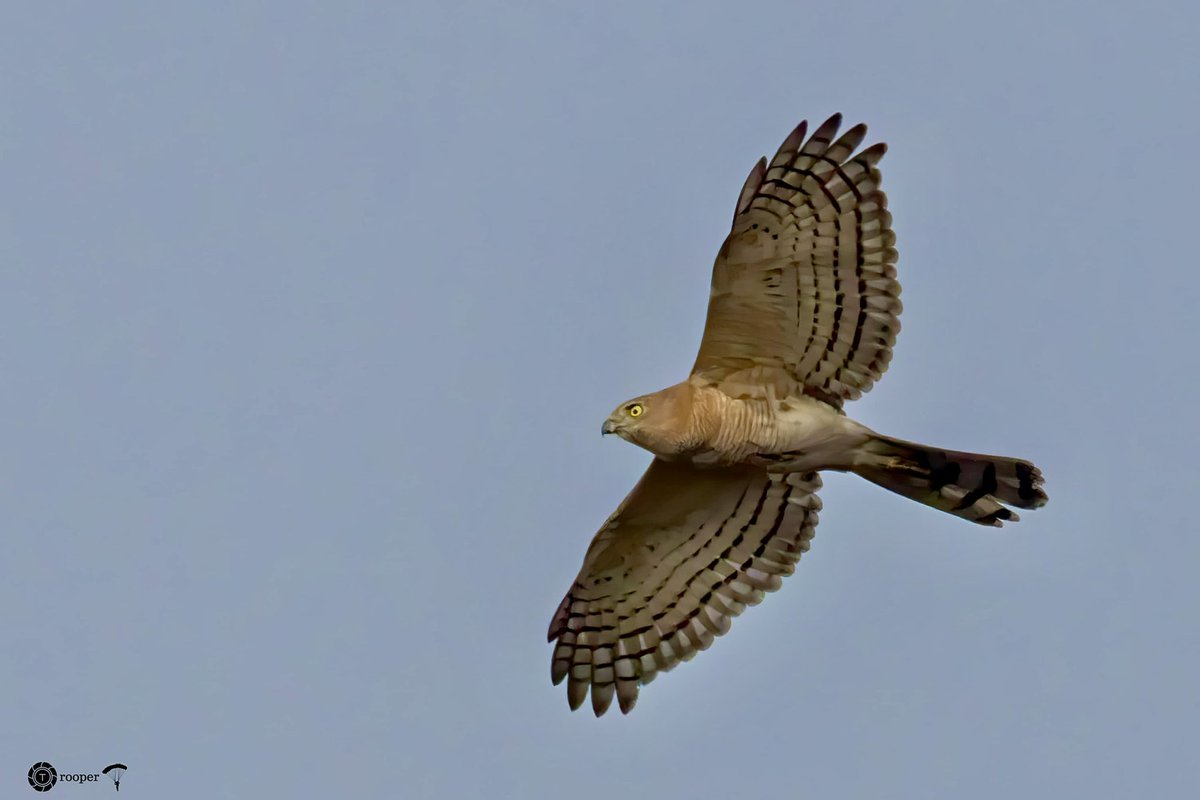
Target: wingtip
602	697
828	129
794	139
558	622
577	691
750	187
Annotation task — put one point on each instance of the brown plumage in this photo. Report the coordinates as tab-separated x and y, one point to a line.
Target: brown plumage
802	317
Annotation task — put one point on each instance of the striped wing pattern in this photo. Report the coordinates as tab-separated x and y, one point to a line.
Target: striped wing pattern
806	281
685	552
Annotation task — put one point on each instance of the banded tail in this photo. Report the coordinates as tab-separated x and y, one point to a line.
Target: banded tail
968	485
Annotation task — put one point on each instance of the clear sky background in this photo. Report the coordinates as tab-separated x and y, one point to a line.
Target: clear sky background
310	312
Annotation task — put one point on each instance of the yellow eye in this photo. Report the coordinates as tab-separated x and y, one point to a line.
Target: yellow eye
634	410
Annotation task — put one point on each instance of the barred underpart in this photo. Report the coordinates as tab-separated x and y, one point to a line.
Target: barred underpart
803	315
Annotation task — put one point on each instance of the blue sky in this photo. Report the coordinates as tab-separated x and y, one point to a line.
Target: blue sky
310	313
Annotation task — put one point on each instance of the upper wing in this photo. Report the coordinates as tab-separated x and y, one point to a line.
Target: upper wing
805	284
685	552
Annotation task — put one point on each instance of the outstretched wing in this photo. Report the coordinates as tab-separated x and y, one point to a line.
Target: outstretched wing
685	552
805	285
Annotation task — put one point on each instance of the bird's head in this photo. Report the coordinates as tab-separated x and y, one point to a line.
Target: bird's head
629	418
659	422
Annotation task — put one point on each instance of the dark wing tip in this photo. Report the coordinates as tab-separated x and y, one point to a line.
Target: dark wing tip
794	139
602	697
872	154
577	691
824	134
751	186
558	623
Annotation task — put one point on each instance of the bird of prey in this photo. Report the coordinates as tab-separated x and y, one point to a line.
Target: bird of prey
802	317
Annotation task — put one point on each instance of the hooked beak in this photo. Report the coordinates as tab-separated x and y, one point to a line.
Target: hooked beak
608	427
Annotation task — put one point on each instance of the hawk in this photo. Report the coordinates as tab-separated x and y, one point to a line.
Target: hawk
803	315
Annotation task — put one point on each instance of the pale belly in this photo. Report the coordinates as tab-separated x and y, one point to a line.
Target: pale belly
797	434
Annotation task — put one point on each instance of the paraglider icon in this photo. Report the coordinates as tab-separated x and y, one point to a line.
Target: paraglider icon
116	772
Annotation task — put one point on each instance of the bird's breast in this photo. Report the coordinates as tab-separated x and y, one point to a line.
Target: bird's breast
799	428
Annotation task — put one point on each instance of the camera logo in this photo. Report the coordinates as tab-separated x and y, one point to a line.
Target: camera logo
43	776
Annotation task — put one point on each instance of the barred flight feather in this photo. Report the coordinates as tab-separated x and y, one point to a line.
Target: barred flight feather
721	540
806	281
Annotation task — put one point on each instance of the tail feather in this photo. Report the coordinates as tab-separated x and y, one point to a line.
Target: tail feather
969	485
